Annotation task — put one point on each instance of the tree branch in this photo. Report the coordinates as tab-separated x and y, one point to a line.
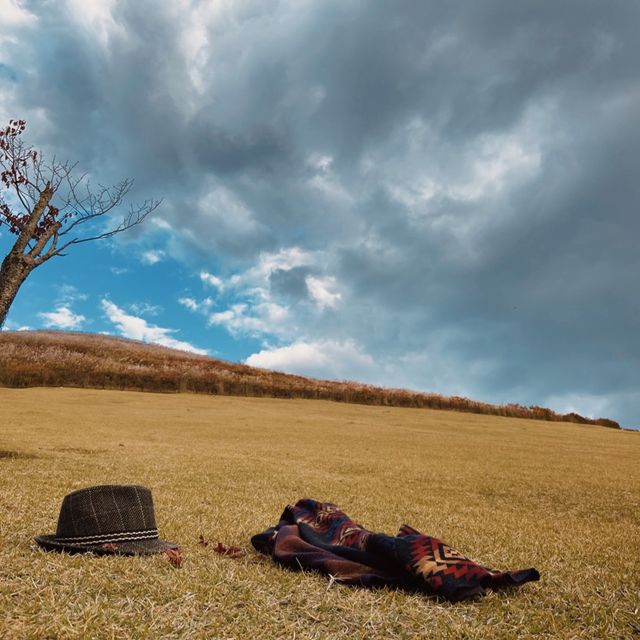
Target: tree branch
48	214
29	228
43	241
135	217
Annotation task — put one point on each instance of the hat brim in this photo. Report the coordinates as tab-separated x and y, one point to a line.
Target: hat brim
122	548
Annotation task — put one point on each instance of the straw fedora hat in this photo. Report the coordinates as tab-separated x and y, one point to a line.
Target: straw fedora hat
107	519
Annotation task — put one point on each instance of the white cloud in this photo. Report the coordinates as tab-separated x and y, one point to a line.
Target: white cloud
95	17
153	256
194	40
327	182
259	319
139	329
145	308
161	224
284	259
497	162
190	303
252	308
320	162
118	271
68	294
194	305
210	279
12	326
587	405
320	290
322	359
256	278
62	318
15	15
227	215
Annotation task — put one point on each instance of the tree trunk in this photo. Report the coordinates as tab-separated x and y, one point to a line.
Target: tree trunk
13	273
19	263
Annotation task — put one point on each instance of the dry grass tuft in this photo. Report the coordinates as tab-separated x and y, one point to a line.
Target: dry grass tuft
15	454
63	359
509	493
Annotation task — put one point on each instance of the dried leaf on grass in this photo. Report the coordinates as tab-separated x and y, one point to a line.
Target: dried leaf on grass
230	551
175	557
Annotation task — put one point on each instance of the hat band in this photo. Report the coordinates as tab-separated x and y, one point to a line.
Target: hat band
122	536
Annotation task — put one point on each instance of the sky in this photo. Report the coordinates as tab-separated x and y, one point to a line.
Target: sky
441	196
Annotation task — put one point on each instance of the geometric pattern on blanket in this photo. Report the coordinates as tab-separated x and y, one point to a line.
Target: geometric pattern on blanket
319	536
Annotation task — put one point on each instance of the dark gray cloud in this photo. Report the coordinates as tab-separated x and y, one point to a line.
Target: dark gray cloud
289	284
465	171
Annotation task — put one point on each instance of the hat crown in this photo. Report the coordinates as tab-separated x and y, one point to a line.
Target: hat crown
106	509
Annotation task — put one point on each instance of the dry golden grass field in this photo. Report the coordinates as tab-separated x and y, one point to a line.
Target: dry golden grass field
510	493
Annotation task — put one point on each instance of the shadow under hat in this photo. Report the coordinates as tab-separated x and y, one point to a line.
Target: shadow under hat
107	520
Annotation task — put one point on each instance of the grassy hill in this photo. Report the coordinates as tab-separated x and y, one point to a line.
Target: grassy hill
509	493
51	358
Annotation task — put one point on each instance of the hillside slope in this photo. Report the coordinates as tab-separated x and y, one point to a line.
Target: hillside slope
53	358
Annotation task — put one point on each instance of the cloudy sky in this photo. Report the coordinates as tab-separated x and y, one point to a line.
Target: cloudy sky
435	195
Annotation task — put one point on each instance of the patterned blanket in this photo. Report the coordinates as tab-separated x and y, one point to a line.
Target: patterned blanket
318	536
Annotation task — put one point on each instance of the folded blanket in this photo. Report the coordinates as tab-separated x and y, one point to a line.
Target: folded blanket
319	536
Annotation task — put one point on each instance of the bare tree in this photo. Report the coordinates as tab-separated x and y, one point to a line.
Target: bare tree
46	207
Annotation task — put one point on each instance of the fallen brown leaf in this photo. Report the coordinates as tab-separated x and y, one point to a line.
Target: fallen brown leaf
230	551
175	557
